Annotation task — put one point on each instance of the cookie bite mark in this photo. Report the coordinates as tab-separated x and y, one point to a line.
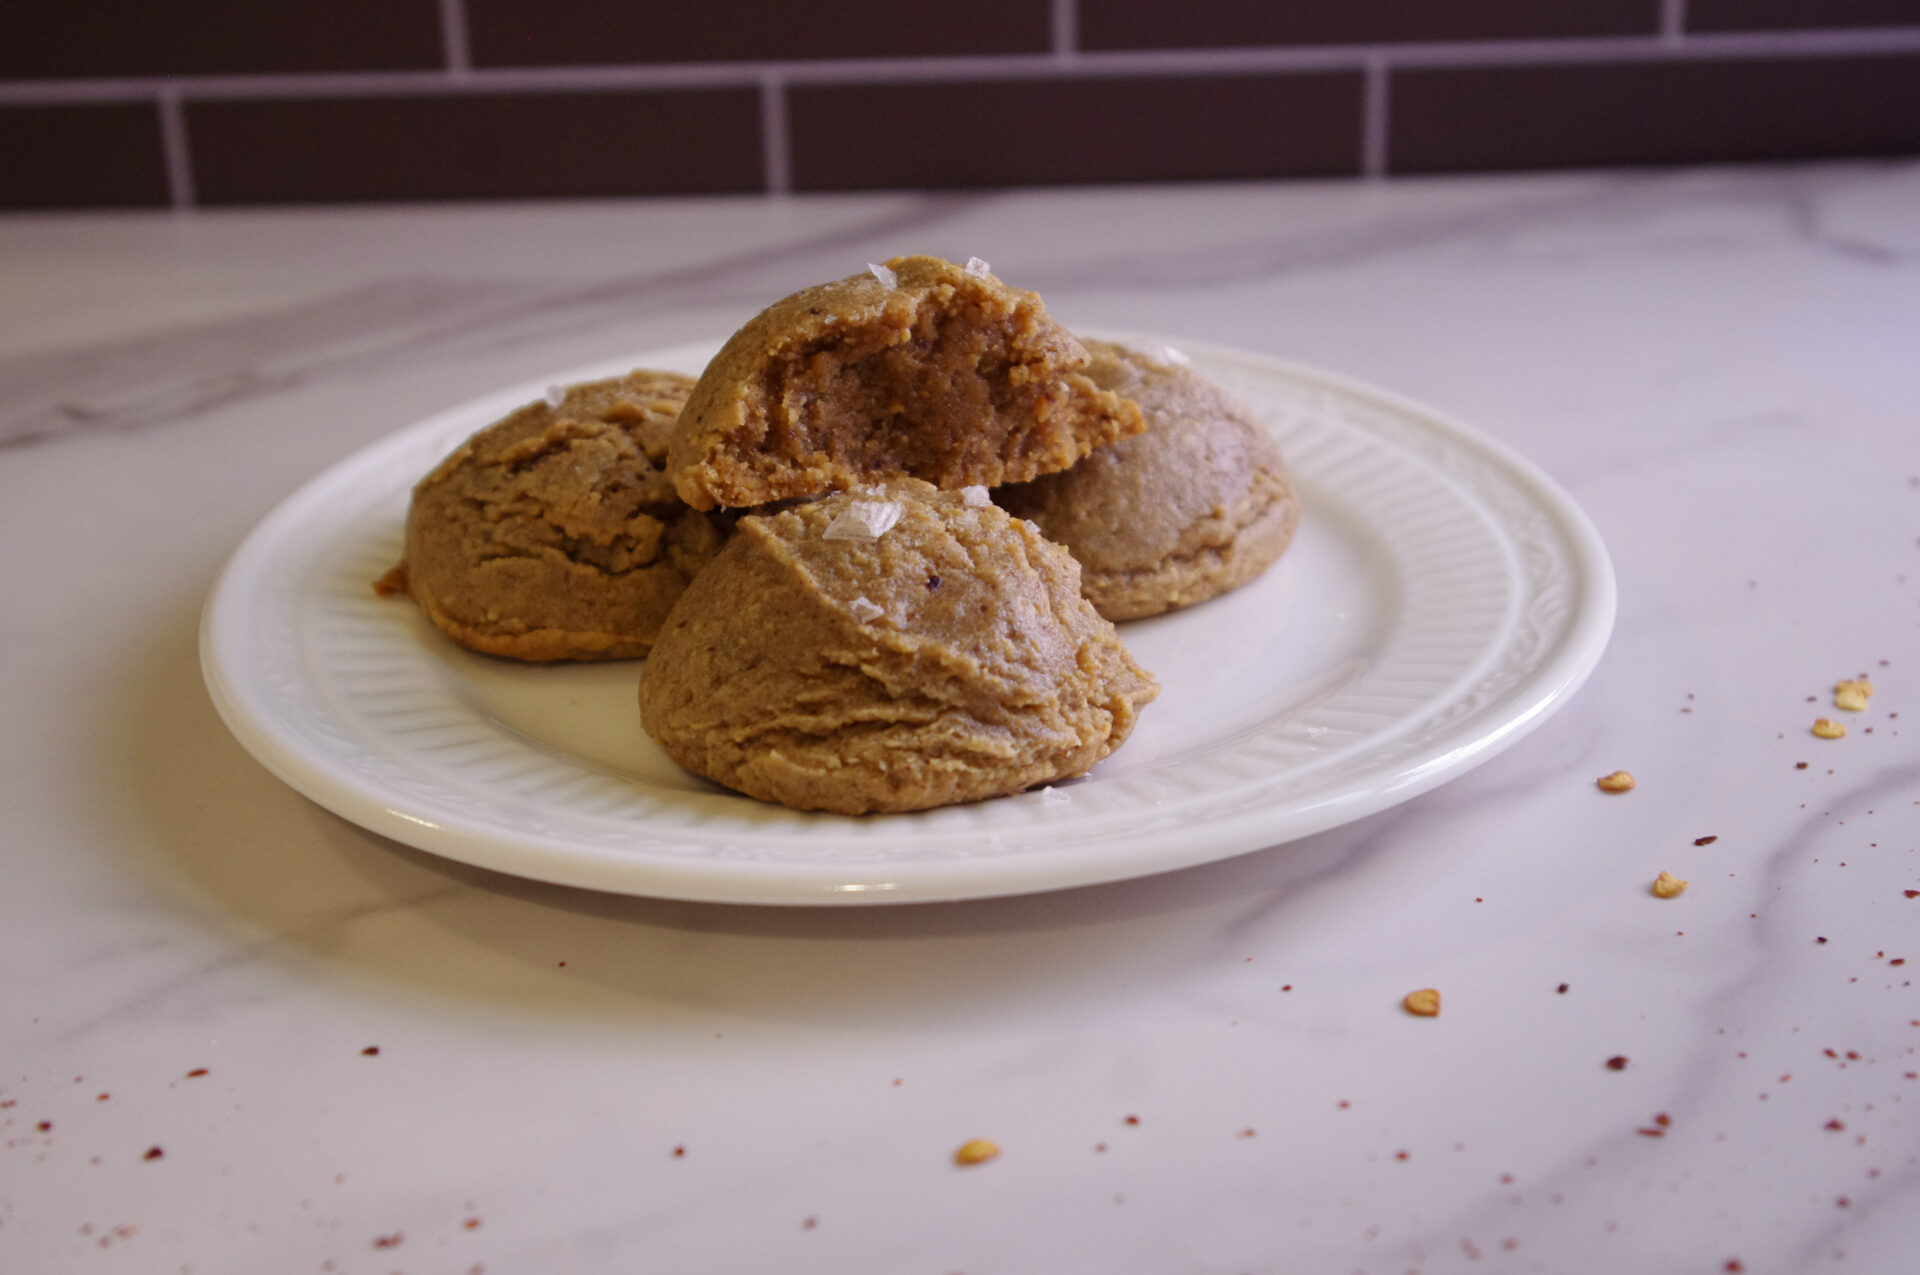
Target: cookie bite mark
825	674
554	534
942	374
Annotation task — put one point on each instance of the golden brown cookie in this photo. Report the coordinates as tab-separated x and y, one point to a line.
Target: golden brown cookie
554	534
917	368
892	648
1199	504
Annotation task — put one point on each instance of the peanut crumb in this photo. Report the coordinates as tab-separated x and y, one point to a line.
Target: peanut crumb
1667	885
978	1151
1853	695
1424	1003
1618	781
1827	728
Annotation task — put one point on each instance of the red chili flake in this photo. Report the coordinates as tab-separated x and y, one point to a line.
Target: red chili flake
472	1224
45	1126
1562	989
153	1153
1843	1203
1898	960
1617	1063
1506	1179
102	1097
1705	841
1403	1155
371	1051
8	1103
1343	1104
1664	1120
1853	1055
1735	1265
1246	1133
1820	938
1829	1053
680	1152
1651	1133
1286	987
389	1241
196	1073
1100	1146
1133	1120
808	1224
1835	1124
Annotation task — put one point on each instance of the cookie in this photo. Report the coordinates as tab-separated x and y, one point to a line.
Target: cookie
554	534
1197	505
888	649
919	368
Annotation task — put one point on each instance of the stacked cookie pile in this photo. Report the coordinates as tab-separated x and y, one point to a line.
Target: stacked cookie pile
874	554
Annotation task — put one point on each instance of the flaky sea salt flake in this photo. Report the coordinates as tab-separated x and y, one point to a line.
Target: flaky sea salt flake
556	395
884	274
978	268
975	497
863	520
864	610
1162	356
1051	796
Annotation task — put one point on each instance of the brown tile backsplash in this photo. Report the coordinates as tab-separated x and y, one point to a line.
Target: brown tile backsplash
116	102
1199	24
82	157
103	38
524	146
1050	132
1653	113
1787	15
600	32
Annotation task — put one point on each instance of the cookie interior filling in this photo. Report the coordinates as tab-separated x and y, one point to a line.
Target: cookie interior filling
950	394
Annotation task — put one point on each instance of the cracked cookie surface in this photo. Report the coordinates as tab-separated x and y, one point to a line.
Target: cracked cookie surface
1197	505
554	534
919	368
942	654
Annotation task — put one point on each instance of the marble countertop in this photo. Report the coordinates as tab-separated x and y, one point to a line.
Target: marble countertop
239	1034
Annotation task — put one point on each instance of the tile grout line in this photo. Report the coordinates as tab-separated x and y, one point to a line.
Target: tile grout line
453	35
1065	15
776	159
175	152
1673	22
1039	67
1375	103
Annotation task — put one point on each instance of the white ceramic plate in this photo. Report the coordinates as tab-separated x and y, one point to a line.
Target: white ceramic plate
1441	599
